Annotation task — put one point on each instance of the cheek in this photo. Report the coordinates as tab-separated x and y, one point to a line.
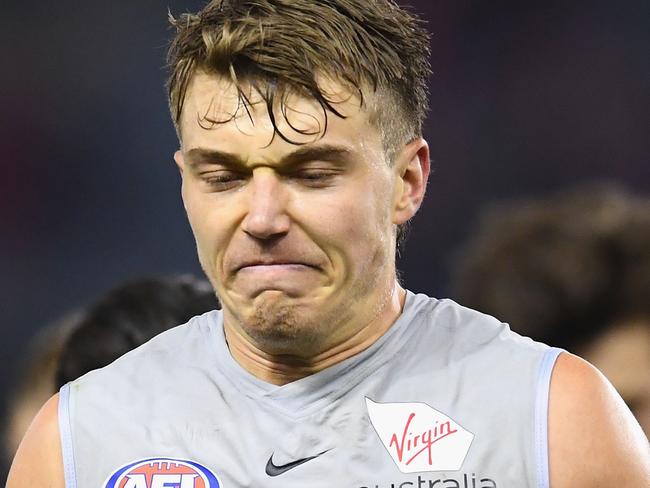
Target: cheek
205	219
355	225
194	211
371	212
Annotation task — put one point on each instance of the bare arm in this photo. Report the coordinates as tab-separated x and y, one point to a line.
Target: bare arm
594	441
38	462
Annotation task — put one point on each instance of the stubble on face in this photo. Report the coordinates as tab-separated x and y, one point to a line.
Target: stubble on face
280	326
277	325
361	248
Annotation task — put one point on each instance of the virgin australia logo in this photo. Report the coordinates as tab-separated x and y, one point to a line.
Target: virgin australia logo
418	437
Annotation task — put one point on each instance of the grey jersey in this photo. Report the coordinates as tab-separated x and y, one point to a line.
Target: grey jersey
448	397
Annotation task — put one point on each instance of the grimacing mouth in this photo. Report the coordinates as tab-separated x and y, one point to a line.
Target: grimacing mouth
272	262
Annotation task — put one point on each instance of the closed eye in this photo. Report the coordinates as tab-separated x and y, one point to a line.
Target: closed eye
316	177
222	180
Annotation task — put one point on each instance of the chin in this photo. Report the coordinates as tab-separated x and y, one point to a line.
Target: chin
280	327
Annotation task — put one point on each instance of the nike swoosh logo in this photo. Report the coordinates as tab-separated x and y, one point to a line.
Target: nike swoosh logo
273	470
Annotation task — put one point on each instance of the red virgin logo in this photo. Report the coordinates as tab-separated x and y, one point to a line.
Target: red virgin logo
410	445
418	437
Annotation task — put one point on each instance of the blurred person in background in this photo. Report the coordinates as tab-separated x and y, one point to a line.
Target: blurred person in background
574	271
34	381
90	338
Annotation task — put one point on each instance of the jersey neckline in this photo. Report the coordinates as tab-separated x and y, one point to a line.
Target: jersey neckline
303	396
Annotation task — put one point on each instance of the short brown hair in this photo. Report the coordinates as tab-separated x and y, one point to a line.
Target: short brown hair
279	46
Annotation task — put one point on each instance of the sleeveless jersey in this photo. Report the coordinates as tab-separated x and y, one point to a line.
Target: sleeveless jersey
447	397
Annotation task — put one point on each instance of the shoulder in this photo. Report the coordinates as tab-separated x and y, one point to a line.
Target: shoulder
182	343
174	361
472	332
593	438
192	332
38	462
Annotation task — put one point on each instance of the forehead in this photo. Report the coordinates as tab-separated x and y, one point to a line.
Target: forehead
215	112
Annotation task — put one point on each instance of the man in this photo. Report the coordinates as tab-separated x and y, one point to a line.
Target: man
301	159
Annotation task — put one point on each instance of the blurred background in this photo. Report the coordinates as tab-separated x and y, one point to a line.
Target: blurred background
527	99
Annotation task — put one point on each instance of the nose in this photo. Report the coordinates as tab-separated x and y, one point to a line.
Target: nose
266	216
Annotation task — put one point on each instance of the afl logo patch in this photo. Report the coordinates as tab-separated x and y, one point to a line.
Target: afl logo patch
162	473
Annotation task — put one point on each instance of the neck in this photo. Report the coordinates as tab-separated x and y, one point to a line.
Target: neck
280	369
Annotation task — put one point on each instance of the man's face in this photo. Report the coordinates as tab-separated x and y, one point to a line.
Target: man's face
298	240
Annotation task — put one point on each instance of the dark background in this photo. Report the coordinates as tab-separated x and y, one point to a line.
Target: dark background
528	98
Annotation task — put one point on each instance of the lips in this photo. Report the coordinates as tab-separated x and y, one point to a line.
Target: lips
271	262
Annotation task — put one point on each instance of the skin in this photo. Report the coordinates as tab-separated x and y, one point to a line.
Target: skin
39	462
318	235
22	413
623	355
594	440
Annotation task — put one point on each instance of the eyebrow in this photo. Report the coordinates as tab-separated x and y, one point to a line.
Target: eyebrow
324	152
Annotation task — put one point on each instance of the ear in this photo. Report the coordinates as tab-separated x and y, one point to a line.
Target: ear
180	160
412	167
